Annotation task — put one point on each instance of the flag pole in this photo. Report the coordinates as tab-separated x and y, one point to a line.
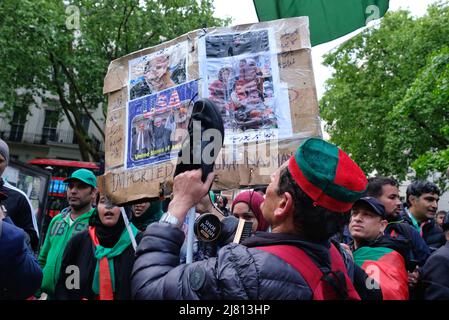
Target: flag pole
190	231
128	228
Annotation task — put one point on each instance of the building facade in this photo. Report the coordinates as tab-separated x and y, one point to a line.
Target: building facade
44	133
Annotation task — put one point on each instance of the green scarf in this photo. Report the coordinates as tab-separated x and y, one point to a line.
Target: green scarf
414	221
100	252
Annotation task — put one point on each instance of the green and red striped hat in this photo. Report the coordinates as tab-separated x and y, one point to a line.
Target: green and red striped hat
327	175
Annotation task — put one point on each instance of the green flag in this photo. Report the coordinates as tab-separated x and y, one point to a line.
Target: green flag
328	19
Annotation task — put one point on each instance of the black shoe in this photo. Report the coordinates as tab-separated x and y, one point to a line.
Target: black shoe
190	155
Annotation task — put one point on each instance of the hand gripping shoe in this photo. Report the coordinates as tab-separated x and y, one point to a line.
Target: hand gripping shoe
200	149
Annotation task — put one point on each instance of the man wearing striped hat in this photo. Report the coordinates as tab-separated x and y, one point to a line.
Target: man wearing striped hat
307	201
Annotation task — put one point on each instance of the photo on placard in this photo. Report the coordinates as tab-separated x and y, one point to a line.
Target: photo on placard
157	71
157	124
242	77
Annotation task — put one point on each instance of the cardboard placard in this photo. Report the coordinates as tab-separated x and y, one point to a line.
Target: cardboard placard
259	75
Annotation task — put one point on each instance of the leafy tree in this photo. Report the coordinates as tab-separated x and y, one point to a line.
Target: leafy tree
385	101
59	50
425	108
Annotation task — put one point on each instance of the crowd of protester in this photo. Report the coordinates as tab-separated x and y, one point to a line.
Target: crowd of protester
319	230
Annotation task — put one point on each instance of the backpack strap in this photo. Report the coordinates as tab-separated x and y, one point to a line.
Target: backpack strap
299	260
337	278
341	274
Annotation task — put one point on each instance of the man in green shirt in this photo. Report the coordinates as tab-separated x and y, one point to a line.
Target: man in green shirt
81	193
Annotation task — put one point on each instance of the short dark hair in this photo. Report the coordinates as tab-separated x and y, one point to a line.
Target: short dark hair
313	222
375	185
441	212
417	188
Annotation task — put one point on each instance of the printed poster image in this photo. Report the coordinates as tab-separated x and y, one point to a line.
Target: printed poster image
157	71
242	78
157	124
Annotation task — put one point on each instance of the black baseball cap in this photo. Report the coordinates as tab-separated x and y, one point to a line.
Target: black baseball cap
377	207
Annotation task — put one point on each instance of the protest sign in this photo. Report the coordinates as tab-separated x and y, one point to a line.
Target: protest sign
259	75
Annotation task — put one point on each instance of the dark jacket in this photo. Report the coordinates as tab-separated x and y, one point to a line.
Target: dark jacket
430	232
434	281
21	213
419	251
238	272
20	273
80	252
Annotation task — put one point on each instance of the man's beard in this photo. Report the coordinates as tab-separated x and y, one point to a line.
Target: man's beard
80	206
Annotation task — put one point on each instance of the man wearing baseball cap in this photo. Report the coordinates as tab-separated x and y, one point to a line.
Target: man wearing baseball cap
81	193
368	220
306	202
382	257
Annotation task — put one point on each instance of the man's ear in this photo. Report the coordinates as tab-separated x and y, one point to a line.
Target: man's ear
383	225
412	199
94	193
284	205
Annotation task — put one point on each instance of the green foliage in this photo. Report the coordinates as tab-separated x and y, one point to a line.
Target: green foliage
387	103
46	53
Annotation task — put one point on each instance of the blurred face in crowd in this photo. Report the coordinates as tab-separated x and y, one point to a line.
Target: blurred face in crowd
108	212
242	210
390	199
425	206
365	224
140	208
80	195
439	219
2	164
220	201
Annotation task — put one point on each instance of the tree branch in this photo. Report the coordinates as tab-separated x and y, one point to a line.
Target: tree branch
442	141
123	24
80	97
74	123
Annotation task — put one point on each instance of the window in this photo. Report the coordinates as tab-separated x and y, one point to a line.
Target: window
50	124
17	125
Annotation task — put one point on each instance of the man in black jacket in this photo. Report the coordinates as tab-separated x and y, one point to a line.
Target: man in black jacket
434	280
17	205
305	204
